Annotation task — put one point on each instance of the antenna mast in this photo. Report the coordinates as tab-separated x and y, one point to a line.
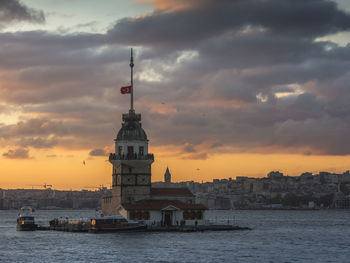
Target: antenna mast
132	82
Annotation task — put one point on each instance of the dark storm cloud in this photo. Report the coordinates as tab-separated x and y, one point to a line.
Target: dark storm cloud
14	11
40	85
36	133
38	142
32	127
188	151
259	49
189	148
97	152
43	133
65	74
185	27
40	48
207	76
325	135
295	123
196	156
18	153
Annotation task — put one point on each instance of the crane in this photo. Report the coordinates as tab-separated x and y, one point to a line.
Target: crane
100	187
44	185
47	185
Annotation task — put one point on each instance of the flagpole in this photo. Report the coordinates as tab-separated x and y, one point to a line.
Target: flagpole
132	82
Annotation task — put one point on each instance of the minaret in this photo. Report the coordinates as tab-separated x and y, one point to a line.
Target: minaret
131	160
132	81
167	176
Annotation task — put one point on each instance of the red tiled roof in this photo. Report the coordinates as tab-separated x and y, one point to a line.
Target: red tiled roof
171	192
161	204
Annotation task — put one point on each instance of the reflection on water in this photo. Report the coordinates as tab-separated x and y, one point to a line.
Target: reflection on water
277	236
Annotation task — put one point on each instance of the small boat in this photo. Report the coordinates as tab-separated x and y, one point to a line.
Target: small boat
115	223
25	219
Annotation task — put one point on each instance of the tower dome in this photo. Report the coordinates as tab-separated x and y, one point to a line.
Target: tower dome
131	129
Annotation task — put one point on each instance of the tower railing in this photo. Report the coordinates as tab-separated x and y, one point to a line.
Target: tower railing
135	156
131	116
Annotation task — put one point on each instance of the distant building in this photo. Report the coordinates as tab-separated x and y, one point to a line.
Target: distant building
275	175
341	201
167	176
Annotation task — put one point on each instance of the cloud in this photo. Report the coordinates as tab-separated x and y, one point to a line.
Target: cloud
210	18
324	135
14	11
189	148
18	153
196	156
97	152
173	4
44	133
206	73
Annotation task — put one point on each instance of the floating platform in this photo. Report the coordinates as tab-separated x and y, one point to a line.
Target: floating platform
70	225
200	228
43	228
85	226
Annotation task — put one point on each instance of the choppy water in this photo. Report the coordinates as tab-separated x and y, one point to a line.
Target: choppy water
277	236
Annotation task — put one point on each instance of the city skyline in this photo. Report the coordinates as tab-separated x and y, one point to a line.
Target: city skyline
225	89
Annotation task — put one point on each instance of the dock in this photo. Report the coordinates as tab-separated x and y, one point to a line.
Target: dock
67	225
196	228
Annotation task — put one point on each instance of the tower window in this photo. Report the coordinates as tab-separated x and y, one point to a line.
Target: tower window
120	149
141	150
130	151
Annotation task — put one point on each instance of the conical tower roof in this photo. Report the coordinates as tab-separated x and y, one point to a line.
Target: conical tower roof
167	175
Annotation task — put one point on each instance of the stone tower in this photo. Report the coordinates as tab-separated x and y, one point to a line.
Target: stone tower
167	176
131	161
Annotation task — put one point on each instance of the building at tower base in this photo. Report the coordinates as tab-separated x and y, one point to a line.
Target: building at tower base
132	194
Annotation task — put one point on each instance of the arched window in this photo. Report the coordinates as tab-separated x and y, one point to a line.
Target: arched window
145	215
193	215
185	215
130	151
199	215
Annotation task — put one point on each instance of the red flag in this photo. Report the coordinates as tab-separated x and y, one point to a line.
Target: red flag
125	90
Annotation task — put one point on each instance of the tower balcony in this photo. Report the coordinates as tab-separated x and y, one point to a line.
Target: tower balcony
131	157
131	116
132	160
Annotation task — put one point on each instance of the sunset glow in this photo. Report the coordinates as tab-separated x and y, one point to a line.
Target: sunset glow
217	100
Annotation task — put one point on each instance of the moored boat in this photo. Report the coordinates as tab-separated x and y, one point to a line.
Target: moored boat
25	220
115	223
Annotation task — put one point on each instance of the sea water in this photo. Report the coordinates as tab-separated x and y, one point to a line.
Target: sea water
276	236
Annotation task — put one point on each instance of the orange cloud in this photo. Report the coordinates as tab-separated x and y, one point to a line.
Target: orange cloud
67	171
18	153
163	109
196	156
169	4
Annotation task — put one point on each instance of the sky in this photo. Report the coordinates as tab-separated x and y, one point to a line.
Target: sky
226	88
